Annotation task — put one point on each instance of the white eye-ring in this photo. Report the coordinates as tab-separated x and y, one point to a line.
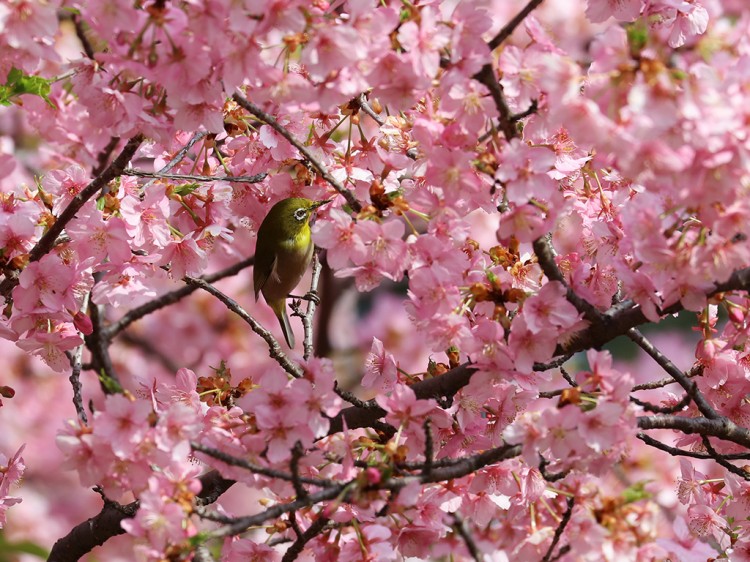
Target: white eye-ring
300	214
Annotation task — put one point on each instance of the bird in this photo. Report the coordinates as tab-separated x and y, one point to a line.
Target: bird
283	252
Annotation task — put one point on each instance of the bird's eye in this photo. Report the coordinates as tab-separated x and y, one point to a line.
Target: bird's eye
300	214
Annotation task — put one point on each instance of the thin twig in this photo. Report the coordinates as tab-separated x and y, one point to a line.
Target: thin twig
271	121
664	362
511	26
257	469
362	102
559	530
172	297
307	317
190	177
274	349
694	372
550	477
662	409
459	525
674	451
183	152
719	458
312	531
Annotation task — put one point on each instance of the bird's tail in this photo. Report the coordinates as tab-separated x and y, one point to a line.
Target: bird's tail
286	327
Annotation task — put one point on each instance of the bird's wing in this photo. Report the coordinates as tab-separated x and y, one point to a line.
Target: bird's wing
261	273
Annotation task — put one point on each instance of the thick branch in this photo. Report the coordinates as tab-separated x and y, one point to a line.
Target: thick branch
721	428
107	524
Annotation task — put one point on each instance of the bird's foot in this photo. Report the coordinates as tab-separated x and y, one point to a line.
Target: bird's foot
309	296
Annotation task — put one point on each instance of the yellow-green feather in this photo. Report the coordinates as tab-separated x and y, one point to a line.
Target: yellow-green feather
283	252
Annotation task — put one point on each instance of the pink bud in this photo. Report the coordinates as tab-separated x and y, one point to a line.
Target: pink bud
373	476
83	323
705	350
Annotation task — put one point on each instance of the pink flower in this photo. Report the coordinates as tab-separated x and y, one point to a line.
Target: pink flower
92	236
160	521
528	347
336	234
549	309
524	171
403	407
122	424
46	286
705	522
621	10
684	546
51	346
65	184
11	472
332	49
185	257
146	220
244	550
381	369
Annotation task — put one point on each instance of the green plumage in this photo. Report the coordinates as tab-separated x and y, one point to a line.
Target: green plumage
282	255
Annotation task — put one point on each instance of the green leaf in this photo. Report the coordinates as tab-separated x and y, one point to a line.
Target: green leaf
636	492
637	37
185	188
9	551
111	386
18	84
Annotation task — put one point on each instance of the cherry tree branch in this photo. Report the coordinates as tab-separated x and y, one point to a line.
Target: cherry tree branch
362	102
170	298
559	530
459	525
486	76
273	346
720	459
257	469
97	530
307	317
722	428
511	26
689	386
99	347
271	121
190	177
546	258
312	531
343	492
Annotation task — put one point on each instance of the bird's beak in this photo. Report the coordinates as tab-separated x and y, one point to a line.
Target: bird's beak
317	204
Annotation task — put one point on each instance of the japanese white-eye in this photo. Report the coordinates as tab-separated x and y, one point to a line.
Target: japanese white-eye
283	253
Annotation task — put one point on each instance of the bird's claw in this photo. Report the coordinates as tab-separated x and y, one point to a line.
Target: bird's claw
312	296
